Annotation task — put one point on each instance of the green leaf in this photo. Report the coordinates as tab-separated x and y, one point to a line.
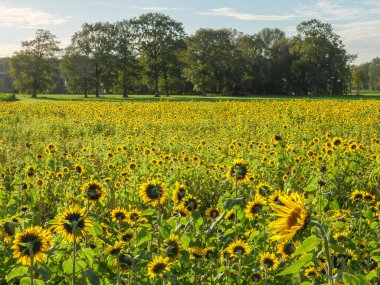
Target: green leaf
26	281
308	244
296	266
349	279
17	272
185	240
165	232
96	229
67	266
92	276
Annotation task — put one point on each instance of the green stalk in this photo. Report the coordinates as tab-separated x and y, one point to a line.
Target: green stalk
30	245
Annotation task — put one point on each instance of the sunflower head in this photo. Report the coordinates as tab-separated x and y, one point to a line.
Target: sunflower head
191	203
238	248
269	261
173	247
32	243
153	192
239	171
158	267
127	235
7	230
254	207
263	189
274	198
196	252
119	215
72	223
312	273
93	191
180	192
212	213
115	249
210	252
286	249
135	217
292	217
31	171
79	168
231	215
125	261
181	210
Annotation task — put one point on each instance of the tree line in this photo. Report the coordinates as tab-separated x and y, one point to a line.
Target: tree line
152	54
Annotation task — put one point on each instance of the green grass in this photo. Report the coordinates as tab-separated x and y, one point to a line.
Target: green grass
7	97
209	98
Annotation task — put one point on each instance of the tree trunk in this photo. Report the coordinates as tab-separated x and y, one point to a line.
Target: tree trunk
97	84
156	94
166	83
34	93
125	88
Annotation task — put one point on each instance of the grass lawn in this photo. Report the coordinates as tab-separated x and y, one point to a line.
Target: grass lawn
209	98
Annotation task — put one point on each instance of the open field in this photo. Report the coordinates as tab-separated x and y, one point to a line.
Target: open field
181	192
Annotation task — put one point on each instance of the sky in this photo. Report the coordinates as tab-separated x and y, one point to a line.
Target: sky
356	21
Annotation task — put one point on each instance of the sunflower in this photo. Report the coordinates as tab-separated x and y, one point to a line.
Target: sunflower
274	198
191	203
254	207
153	192
119	215
158	267
238	248
181	211
31	244
292	217
269	261
286	249
197	252
127	235
210	252
78	168
134	217
25	186
255	277
7	230
212	213
180	192
93	191
341	236
263	189
312	273
115	249
231	215
239	171
357	195
31	171
337	141
39	183
173	247
73	222
125	262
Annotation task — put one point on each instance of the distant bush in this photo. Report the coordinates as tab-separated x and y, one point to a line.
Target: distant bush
7	97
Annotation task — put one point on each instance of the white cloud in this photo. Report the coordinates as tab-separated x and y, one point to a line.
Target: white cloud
26	17
229	12
8	49
327	10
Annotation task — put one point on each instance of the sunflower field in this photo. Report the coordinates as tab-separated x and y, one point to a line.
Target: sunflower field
265	192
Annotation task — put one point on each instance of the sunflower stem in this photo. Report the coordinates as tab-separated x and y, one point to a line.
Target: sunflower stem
118	270
31	264
239	270
74	254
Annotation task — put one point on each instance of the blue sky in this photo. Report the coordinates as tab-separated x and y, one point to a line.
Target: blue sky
356	21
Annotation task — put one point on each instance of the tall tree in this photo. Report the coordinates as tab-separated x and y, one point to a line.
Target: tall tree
214	61
97	42
322	58
358	78
157	38
5	78
34	67
78	71
125	51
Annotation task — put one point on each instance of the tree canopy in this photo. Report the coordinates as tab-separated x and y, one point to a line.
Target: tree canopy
152	54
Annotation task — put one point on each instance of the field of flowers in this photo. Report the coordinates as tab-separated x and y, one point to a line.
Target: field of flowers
267	192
